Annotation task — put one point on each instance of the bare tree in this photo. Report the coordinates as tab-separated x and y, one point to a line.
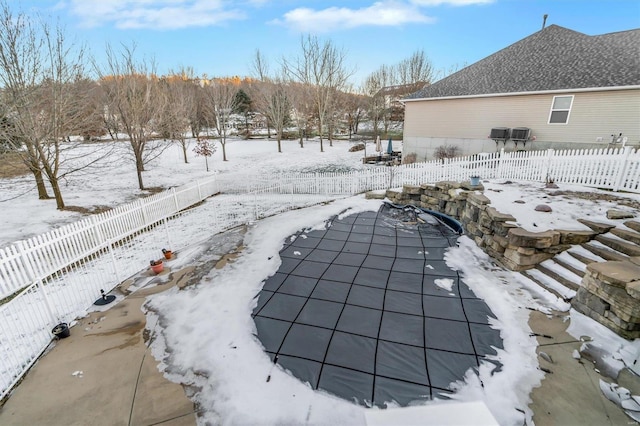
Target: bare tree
221	101
42	75
180	100
132	94
302	109
373	90
271	95
321	67
415	71
388	83
354	106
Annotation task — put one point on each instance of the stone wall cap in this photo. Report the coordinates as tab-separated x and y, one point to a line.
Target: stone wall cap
497	216
614	272
478	198
522	238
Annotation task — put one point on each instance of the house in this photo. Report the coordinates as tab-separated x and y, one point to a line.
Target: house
559	88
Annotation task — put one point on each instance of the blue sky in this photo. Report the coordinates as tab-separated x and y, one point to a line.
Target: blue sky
220	37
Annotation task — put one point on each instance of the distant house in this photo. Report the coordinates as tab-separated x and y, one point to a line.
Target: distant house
559	88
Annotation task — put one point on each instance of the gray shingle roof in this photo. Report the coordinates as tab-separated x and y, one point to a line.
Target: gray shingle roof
554	58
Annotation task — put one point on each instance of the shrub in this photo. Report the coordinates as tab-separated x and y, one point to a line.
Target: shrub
409	158
446	151
358	147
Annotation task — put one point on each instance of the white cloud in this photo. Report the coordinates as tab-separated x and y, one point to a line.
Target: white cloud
154	14
450	2
383	13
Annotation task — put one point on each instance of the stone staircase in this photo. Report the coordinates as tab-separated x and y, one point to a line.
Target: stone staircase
563	274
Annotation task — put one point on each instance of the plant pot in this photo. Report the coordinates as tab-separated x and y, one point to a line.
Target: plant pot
167	254
61	330
157	268
475	180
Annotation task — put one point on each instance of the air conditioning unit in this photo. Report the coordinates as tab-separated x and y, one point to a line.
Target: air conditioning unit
500	133
520	134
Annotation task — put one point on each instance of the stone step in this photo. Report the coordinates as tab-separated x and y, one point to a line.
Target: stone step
558	277
583	258
625	234
568	266
606	254
625	247
633	224
598	227
544	285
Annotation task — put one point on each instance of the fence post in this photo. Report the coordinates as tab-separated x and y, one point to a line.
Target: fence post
500	170
255	205
199	190
622	171
32	277
547	165
166	228
25	261
47	302
145	218
101	239
175	199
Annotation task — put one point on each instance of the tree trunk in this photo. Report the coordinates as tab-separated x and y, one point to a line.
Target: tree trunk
42	189
184	151
206	161
224	152
139	169
330	135
55	186
279	139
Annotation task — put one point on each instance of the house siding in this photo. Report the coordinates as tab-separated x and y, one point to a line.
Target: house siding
466	122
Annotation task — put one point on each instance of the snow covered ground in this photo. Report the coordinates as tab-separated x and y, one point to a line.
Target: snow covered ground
112	181
207	338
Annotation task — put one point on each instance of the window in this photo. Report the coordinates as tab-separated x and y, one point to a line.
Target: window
560	109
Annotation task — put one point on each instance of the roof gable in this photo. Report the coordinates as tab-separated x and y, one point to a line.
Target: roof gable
554	58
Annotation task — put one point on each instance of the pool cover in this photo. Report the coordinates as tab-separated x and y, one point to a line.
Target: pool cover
368	310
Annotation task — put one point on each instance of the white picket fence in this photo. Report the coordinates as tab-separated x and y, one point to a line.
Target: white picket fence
54	277
612	169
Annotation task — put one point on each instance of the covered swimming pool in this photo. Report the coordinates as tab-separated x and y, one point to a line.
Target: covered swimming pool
367	309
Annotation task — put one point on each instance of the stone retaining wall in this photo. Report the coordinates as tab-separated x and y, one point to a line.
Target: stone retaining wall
493	231
610	294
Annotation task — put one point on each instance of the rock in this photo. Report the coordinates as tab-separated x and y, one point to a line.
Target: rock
543	208
519	261
598	227
635	225
519	201
616	273
478	199
519	237
375	195
633	289
551	185
497	216
575	237
411	189
619	214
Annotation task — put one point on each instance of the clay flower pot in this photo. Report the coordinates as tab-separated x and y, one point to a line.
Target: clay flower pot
167	253
157	266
